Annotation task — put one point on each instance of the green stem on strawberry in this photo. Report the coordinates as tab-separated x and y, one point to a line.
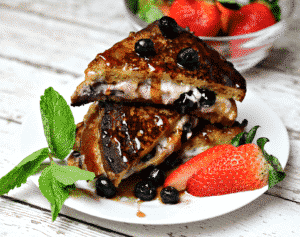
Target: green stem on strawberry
276	173
244	137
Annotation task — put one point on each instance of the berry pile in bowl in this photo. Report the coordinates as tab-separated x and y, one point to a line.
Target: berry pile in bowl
243	31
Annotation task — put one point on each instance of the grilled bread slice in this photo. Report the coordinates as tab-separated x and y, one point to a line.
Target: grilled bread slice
113	138
156	65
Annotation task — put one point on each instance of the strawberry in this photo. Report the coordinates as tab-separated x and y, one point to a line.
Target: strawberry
183	12
244	168
208	19
252	17
201	16
179	177
227	10
190	174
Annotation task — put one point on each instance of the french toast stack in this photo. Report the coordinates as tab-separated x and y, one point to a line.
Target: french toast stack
159	92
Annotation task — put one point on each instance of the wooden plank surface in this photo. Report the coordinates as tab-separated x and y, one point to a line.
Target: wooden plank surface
46	41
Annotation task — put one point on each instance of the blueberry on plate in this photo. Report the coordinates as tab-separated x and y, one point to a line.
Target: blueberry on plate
145	190
169	195
105	188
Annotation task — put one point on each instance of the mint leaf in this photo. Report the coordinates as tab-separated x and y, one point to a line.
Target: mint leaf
56	182
58	122
22	171
276	173
68	175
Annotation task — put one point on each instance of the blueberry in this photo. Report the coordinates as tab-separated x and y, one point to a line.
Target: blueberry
169	195
168	27
184	103
208	97
145	190
145	48
157	176
105	188
188	59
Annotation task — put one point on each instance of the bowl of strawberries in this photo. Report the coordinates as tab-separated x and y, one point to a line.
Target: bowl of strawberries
243	31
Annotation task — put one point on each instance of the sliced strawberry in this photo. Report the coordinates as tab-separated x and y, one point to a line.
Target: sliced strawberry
241	162
244	168
179	177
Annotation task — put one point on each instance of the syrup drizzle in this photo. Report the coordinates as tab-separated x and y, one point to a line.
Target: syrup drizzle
139	213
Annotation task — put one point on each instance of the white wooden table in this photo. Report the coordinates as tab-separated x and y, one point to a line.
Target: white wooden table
51	40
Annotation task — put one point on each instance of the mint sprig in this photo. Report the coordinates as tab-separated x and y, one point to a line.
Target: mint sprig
56	181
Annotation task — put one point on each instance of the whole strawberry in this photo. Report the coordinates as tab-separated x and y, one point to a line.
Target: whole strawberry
183	12
253	17
208	19
201	16
244	168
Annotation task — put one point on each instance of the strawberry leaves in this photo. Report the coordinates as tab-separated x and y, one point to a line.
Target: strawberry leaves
244	137
276	173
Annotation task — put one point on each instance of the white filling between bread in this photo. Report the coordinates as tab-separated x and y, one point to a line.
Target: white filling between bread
170	92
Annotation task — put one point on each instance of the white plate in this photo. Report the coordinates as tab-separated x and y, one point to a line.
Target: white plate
191	208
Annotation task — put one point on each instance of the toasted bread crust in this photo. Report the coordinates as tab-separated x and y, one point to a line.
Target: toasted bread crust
132	133
121	62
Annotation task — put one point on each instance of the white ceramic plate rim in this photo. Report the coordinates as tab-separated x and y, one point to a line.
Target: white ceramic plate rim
191	208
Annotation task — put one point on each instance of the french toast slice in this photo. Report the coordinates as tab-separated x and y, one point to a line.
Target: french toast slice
113	138
156	65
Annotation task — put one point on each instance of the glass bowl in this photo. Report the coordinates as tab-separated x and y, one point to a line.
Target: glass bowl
244	51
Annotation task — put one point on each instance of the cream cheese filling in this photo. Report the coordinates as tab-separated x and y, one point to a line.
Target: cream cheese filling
170	92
